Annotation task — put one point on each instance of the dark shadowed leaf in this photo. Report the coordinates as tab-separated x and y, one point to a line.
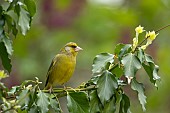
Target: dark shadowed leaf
140	55
77	102
140	90
124	104
95	104
43	102
100	62
110	106
118	48
152	71
11	24
34	109
6	61
106	86
118	71
131	65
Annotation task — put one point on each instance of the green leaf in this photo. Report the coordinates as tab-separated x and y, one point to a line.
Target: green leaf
6	61
3	74
151	68
118	71
2	23
148	58
126	49
95	104
55	105
124	104
141	55
31	7
140	89
100	62
21	111
34	109
152	71
8	45
131	65
23	98
77	102
24	20
43	102
118	48
110	106
11	24
93	80
13	90
12	4
106	86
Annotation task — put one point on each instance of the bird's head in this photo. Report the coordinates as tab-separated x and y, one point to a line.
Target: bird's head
71	48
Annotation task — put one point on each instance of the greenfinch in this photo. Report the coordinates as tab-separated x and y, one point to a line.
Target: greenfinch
62	66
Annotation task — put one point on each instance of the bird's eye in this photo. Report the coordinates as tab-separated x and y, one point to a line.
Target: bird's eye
73	46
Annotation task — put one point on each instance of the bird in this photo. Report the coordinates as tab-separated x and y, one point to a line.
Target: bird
62	66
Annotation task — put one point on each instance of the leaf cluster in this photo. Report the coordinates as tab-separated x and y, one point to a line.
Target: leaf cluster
15	15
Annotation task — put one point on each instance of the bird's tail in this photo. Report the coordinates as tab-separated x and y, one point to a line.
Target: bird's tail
47	84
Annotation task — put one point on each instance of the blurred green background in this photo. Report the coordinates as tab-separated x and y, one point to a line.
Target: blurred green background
97	26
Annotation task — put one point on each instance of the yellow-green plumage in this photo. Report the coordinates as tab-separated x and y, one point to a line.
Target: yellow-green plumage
62	66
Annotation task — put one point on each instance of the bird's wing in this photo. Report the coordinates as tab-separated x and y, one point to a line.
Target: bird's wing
54	61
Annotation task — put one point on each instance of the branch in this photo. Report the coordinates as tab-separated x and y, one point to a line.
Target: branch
63	92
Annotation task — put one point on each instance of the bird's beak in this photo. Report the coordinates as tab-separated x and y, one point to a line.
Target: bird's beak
78	49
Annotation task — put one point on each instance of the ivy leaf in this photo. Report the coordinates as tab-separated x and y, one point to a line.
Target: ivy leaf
2	23
11	24
13	90
31	7
55	105
124	104
126	49
140	55
6	61
23	98
118	48
95	104
93	80
118	71
24	19
77	102
140	89
43	102
148	58
151	68
131	65
21	111
34	109
106	86
100	62
152	71
110	106
8	44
